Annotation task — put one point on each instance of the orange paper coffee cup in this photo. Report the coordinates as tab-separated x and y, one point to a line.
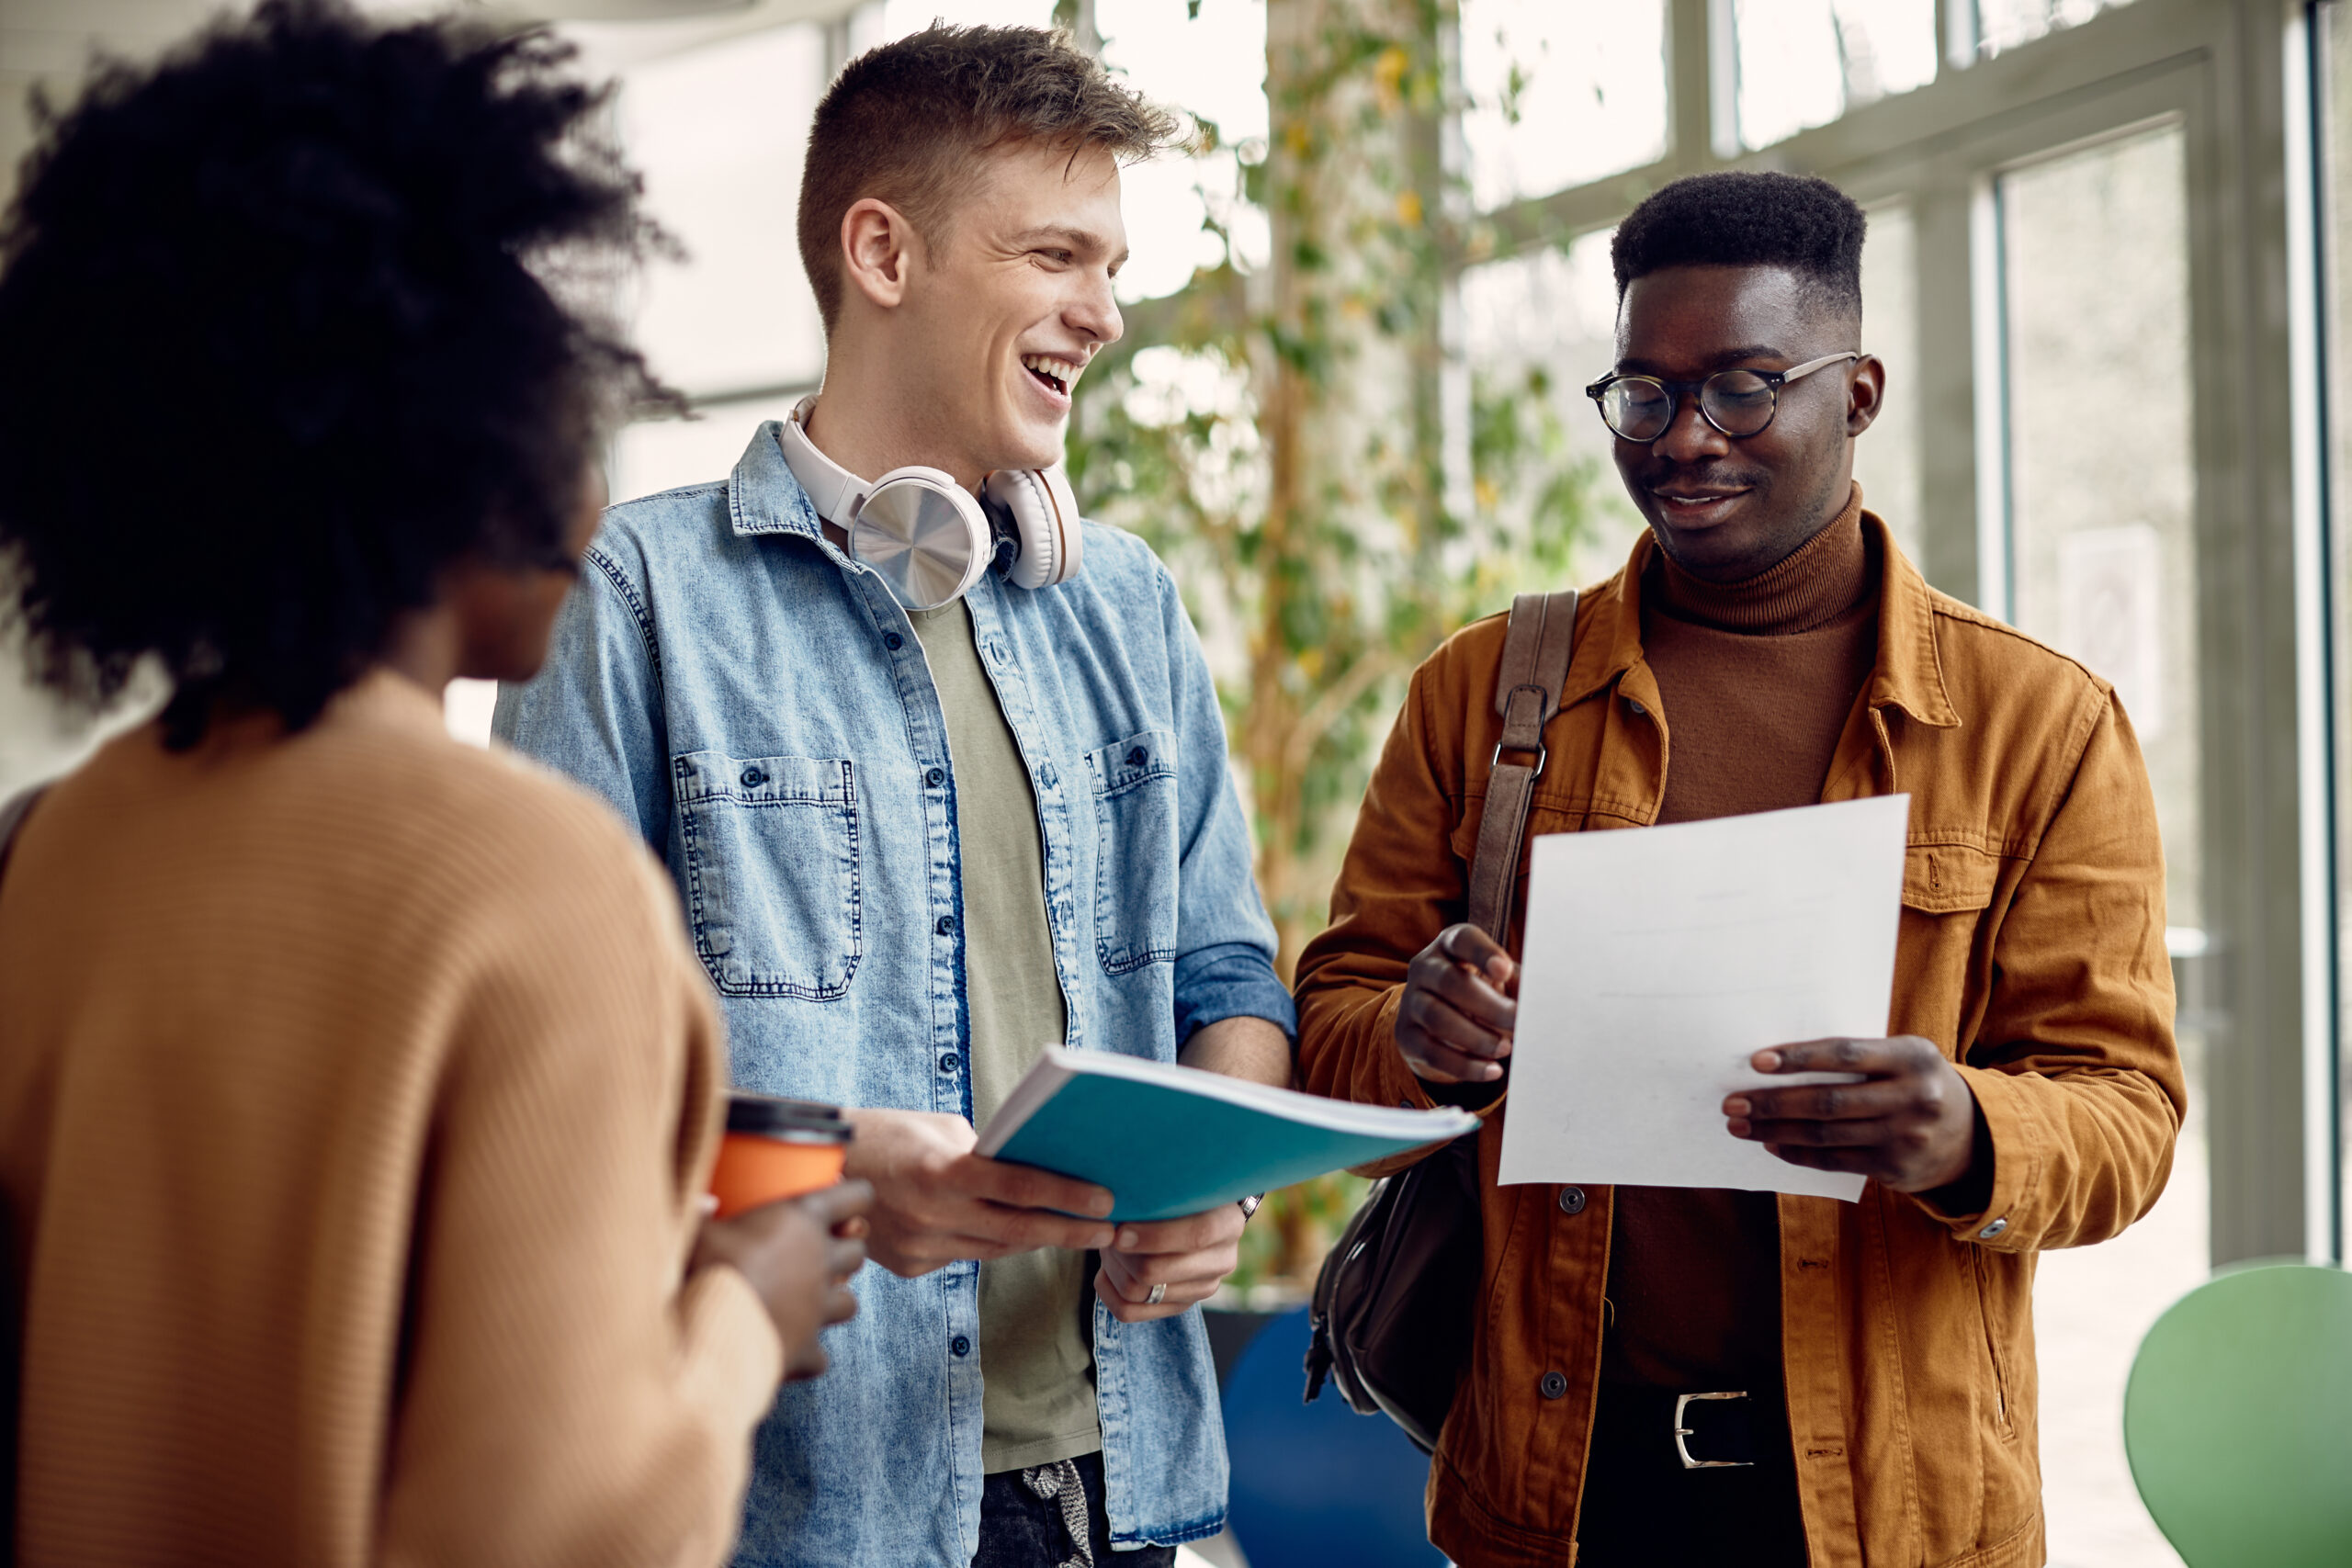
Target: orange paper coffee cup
777	1148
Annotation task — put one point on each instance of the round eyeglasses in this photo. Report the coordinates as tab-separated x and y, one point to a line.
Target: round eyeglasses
1737	402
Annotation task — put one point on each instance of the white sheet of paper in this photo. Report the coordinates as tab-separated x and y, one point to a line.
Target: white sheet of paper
1657	960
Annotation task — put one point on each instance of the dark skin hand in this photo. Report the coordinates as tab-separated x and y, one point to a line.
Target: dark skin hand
798	1255
1454	1024
1910	1123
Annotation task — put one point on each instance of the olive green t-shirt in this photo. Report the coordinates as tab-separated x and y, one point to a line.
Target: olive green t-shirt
1037	1356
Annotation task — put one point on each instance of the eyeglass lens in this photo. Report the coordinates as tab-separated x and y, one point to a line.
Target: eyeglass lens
1737	402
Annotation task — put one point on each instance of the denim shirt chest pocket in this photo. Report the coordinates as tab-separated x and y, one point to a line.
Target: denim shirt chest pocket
771	872
1136	856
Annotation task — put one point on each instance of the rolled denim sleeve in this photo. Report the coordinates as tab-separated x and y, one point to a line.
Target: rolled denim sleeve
1225	943
595	710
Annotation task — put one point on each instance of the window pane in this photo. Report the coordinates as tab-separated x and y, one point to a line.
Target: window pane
2004	24
1556	312
1213	64
1886	458
2102	540
1804	62
719	132
1561	94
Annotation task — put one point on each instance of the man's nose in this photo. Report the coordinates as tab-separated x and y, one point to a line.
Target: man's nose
1689	438
1096	311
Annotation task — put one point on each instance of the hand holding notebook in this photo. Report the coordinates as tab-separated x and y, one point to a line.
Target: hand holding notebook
1171	1140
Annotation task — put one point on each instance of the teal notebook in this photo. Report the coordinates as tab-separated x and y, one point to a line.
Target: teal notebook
1169	1140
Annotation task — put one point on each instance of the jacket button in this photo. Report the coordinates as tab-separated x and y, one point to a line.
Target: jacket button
947	1060
753	778
1636	707
1553	1385
1996	1228
961	1346
946	925
1138	756
937	777
1572	1200
893	641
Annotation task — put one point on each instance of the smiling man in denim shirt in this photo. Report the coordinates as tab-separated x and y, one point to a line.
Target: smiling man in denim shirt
919	833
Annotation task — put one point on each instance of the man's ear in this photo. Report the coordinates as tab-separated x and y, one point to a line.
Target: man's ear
877	243
1865	393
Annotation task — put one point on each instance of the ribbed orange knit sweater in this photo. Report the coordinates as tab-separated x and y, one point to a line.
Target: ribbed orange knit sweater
355	1090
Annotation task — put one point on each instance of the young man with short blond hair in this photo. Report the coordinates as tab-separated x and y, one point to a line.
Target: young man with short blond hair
938	797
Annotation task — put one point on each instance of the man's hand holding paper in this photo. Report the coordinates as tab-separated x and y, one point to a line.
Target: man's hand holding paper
1704	1006
1908	1122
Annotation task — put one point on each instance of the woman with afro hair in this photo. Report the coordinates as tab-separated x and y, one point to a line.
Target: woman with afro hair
357	1087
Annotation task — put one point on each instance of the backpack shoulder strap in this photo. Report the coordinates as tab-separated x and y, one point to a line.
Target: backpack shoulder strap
1534	670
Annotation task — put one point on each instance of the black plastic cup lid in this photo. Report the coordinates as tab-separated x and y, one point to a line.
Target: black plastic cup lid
773	1116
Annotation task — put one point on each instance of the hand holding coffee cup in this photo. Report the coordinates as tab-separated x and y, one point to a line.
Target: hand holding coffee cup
777	1148
785	1220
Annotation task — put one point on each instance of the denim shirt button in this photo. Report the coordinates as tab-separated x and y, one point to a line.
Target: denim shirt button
947	1061
1138	756
893	641
946	925
1553	1385
753	778
937	777
961	1346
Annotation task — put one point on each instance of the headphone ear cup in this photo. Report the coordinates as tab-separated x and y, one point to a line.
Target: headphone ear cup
925	534
1045	520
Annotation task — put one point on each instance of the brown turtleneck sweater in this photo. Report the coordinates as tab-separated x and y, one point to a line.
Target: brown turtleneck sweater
1757	679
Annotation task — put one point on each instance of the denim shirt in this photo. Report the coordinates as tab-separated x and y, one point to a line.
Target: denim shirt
757	704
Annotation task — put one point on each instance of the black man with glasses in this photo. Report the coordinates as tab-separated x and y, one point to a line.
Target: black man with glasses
1666	1375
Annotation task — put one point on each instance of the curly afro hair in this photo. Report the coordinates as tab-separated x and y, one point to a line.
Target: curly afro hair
1742	217
278	345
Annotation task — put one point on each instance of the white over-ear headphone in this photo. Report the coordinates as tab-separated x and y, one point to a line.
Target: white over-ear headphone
929	538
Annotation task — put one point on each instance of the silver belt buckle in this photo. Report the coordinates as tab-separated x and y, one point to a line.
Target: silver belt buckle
1681	1431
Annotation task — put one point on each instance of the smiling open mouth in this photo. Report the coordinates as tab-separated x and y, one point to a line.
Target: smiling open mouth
1059	374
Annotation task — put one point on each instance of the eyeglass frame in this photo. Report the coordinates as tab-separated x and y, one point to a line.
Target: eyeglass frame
1773	381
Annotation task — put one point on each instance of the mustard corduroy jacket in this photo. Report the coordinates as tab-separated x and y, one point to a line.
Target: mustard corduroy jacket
2031	949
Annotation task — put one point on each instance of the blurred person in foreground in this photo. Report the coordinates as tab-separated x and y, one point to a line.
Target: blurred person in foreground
355	1089
921	839
1868	1367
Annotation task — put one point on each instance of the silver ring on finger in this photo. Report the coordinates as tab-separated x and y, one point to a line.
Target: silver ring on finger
1158	1294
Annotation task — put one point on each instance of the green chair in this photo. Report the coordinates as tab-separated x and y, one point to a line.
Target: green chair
2238	1419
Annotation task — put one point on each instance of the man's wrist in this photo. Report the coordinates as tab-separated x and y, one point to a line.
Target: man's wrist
1970	1192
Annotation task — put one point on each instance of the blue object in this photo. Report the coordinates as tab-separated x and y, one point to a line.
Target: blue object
1318	1485
1170	1141
2238	1418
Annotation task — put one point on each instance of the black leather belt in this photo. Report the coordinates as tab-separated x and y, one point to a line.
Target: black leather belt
1709	1429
